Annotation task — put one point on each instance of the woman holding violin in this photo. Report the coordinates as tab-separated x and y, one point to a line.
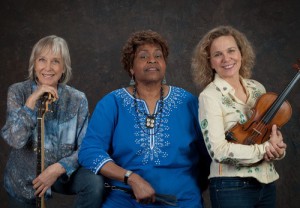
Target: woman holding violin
240	175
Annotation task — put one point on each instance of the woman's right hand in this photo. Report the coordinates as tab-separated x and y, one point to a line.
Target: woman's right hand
143	191
35	96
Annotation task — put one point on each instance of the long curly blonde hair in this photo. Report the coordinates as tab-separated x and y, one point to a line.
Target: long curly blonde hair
202	72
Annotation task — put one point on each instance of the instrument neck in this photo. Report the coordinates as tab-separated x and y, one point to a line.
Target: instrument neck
280	99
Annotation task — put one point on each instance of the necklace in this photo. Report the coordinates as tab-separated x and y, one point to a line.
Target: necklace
150	118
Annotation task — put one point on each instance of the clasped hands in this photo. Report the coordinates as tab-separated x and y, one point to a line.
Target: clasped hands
277	147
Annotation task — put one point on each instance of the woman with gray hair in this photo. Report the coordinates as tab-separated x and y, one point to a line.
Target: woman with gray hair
64	128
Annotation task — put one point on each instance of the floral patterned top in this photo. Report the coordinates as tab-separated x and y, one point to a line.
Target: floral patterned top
65	128
220	110
167	156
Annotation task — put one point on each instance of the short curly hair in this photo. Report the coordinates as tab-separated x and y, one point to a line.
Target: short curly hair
137	39
202	72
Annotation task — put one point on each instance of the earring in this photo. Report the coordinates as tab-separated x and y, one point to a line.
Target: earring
164	81
132	82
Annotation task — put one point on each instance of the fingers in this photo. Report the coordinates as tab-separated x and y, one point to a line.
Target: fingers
143	191
282	145
44	181
36	95
46	88
278	133
153	199
147	200
36	183
40	191
274	130
266	158
40	188
271	153
274	152
276	141
276	136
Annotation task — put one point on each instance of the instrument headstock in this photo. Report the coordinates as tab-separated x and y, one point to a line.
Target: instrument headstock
45	100
297	65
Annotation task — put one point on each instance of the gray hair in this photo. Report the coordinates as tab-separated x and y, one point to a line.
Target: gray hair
56	45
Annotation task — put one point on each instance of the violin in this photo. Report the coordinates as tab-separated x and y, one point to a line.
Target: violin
45	100
269	109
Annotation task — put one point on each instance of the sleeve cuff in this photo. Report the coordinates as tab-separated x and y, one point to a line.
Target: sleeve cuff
30	112
282	156
69	171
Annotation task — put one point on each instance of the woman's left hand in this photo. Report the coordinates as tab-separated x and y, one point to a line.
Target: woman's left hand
277	147
47	178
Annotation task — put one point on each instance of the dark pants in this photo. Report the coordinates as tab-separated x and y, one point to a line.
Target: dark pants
88	188
236	192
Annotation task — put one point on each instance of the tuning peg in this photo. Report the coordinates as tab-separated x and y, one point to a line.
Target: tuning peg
296	66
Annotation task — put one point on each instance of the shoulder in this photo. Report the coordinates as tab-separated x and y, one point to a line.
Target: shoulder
71	100
116	96
181	92
178	95
21	90
211	90
72	92
255	85
25	85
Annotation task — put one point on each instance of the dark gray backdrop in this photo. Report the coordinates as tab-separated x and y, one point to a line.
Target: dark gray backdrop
97	30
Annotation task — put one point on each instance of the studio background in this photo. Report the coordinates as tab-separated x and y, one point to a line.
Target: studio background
96	31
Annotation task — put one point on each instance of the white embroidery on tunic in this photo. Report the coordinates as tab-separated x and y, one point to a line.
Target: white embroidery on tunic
152	142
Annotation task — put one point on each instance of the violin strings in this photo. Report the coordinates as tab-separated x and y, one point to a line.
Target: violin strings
257	132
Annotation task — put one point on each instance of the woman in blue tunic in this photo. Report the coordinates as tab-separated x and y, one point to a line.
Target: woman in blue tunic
145	139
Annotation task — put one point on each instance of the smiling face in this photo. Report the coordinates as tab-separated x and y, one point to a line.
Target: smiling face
225	57
149	64
48	68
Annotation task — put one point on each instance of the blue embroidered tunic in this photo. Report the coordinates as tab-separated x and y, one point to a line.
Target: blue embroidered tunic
65	127
165	156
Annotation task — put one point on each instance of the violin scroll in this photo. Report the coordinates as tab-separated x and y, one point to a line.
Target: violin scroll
297	66
45	100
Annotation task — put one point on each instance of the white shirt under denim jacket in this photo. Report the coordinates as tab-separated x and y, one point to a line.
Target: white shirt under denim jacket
220	110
